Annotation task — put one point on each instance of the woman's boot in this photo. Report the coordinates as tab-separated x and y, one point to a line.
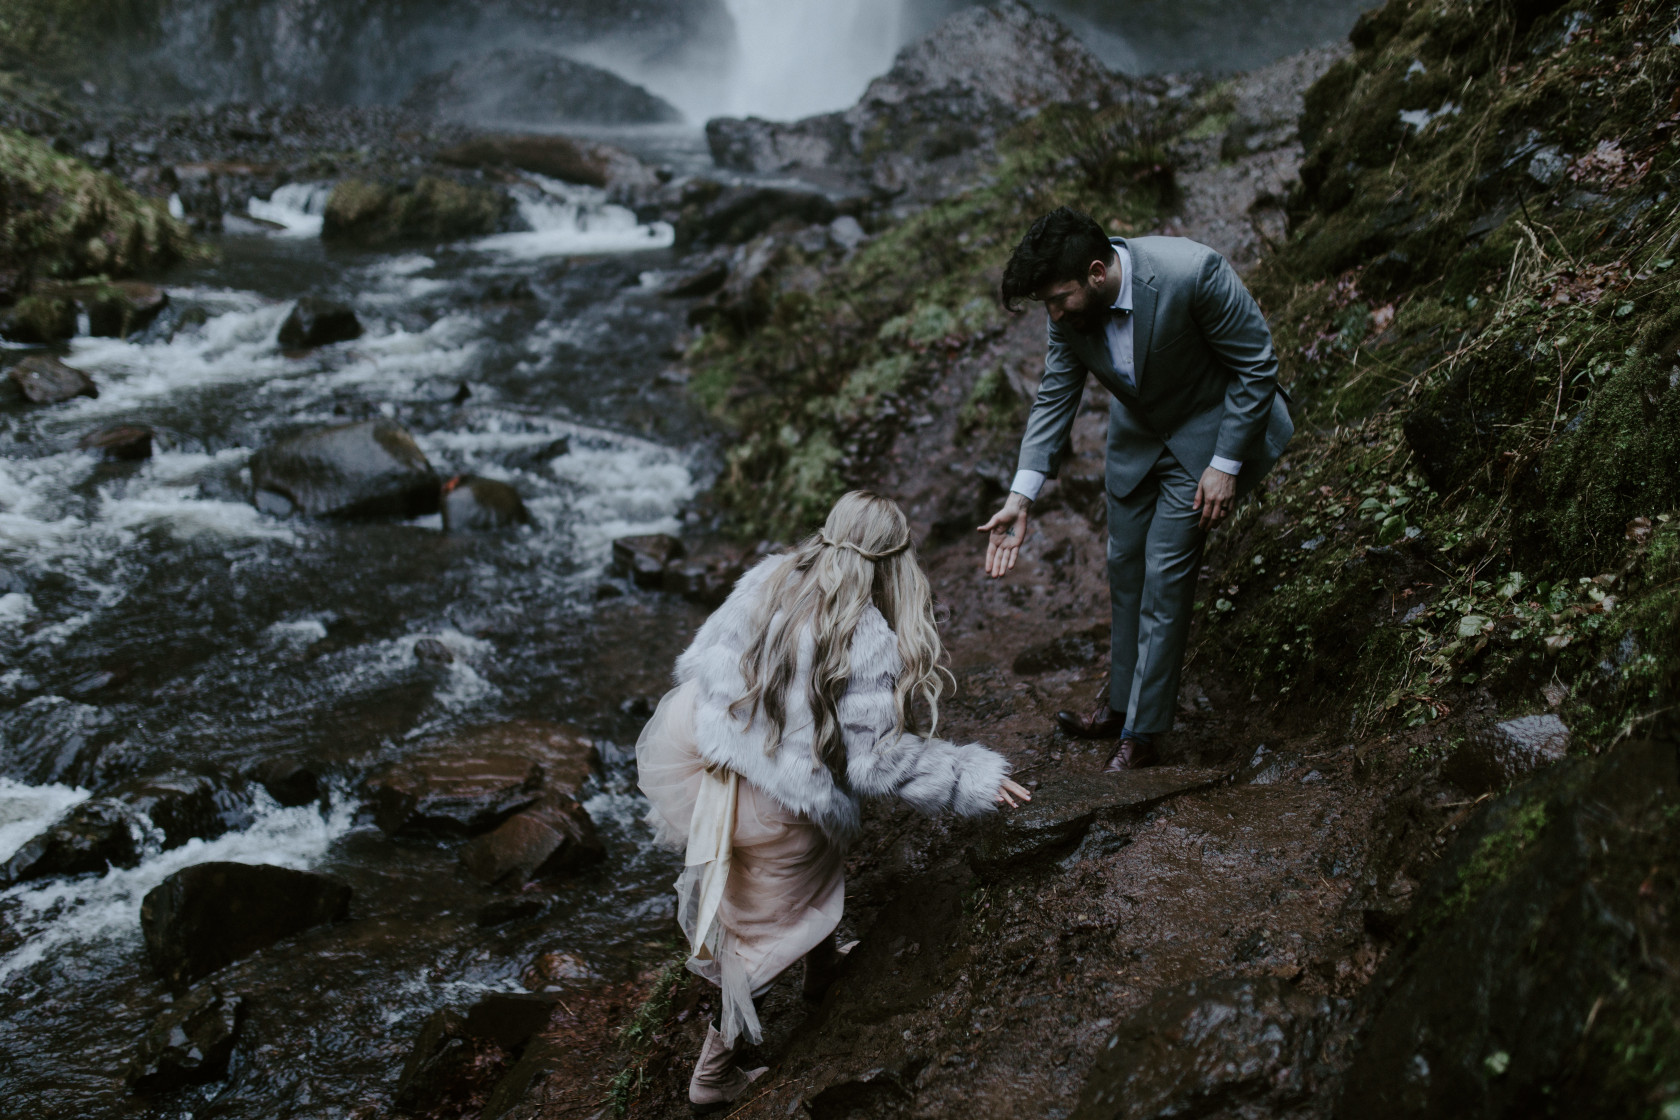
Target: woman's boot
717	1080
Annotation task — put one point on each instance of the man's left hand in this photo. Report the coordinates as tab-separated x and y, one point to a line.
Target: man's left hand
1214	495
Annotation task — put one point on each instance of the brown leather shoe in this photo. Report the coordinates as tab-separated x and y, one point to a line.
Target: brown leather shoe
1103	722
1131	754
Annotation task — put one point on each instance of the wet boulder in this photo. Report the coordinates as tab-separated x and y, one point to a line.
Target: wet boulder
1226	1047
191	1042
1064	807
40	319
519	908
115	309
43	379
368	213
442	793
1531	976
538	86
318	322
739	214
190	806
705	582
699	281
644	558
211	914
369	469
290	781
447	1070
119	442
552	837
90	839
558	157
1506	753
509	1019
433	652
472	504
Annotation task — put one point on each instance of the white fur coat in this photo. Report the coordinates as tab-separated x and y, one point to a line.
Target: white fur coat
930	774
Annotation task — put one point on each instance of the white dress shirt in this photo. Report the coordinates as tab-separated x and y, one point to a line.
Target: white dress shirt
1118	330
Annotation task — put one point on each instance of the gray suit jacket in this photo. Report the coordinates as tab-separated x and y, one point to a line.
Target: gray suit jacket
1206	374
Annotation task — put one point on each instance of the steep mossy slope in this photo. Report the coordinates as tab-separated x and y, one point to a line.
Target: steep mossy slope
60	38
818	389
60	219
1476	313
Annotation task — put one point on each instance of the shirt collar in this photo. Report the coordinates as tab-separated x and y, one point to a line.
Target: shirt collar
1123	302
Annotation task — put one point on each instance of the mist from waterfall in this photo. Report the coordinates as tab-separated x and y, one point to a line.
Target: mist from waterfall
798	57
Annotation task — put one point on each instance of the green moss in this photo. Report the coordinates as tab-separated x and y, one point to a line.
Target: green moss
639	1036
65	37
992	404
1495	857
367	213
60	218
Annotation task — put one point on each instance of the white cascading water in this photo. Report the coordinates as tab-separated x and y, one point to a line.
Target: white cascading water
799	57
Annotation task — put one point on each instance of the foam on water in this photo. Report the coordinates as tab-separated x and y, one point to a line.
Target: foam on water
300	207
571	220
57	915
26	811
622	491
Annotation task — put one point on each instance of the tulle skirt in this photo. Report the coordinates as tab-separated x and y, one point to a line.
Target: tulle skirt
760	887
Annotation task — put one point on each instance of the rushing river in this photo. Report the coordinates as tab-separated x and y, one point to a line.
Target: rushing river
153	620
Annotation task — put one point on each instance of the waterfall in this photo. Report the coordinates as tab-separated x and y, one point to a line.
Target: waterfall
799	57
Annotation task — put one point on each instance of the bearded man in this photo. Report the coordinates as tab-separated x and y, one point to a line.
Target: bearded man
1197	419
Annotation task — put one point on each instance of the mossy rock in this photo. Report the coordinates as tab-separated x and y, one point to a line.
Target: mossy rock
61	219
40	319
368	213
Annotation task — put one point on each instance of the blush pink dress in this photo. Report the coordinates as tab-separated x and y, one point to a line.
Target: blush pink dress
761	886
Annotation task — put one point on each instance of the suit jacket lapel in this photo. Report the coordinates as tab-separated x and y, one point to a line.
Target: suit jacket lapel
1143	311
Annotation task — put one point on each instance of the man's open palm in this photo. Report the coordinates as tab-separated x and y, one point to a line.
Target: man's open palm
1008	529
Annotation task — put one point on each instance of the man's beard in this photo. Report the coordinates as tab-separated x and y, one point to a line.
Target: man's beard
1091	319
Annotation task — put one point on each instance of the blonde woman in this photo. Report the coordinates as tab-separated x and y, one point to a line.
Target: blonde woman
795	700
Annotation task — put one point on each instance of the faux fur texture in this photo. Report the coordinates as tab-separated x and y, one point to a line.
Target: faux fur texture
930	774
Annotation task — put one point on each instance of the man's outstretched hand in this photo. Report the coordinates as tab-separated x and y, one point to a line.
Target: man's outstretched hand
1008	529
1214	495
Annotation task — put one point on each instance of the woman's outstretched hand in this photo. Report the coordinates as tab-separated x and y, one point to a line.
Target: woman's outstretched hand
1012	793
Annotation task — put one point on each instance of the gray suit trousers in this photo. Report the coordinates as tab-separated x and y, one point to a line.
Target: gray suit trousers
1154	554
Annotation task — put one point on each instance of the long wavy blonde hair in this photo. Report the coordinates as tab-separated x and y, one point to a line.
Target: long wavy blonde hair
862	555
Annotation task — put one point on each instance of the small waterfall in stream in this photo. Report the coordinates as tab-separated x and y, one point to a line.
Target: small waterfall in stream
799	57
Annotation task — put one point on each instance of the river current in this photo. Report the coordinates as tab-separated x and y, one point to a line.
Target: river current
153	620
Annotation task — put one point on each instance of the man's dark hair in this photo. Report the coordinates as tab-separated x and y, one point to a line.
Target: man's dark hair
1059	246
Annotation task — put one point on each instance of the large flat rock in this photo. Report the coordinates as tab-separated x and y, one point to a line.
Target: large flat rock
1065	806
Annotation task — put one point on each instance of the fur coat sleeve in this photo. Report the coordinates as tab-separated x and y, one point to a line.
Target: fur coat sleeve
929	774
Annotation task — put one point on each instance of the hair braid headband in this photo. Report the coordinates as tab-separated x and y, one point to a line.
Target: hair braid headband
870	556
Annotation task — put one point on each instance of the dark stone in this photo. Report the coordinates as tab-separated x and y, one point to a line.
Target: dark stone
190	806
1527	979
552	837
318	322
643	558
1212	1047
290	781
122	442
558	157
705	583
189	1043
367	213
43	379
1078	649
211	914
90	839
448	794
521	908
433	652
536	86
509	1019
447	1071
472	504
40	319
699	282
742	213
119	309
1506	753
1065	806
368	469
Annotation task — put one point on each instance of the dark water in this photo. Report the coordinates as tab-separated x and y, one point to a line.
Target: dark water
233	636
